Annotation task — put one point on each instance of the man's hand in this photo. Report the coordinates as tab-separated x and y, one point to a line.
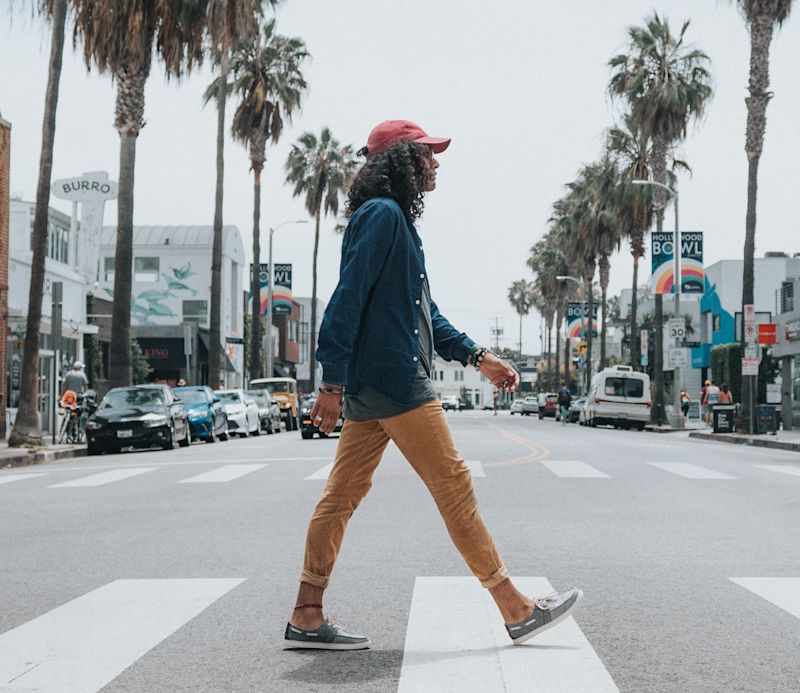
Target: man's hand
501	374
326	411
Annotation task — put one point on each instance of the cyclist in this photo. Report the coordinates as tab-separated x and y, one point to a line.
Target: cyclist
564	400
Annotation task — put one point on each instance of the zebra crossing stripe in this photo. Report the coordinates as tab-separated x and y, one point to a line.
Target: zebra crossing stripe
84	644
456	640
320	475
105	477
11	478
573	469
690	471
783	592
222	474
794	471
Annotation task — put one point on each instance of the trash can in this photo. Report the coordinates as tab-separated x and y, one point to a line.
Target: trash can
723	418
766	419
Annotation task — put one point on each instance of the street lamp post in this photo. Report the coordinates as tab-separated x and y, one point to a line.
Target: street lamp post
677	416
270	282
582	284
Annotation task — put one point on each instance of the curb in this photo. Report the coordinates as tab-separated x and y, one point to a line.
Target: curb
743	440
24	459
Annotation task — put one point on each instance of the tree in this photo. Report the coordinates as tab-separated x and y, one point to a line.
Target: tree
266	76
321	169
520	296
27	426
761	17
229	24
119	37
140	366
666	84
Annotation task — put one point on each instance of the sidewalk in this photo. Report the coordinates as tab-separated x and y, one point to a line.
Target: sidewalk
688	426
782	440
20	457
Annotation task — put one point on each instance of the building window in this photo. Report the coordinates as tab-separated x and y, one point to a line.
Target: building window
292	330
441	375
57	242
304	337
787	297
195	311
145	269
108	269
459	376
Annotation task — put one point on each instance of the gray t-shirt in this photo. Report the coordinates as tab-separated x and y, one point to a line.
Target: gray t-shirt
75	380
369	404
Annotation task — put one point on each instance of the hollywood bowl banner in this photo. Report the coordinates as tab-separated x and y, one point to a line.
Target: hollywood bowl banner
574	310
692	272
282	291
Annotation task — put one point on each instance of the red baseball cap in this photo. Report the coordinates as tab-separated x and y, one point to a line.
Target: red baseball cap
388	132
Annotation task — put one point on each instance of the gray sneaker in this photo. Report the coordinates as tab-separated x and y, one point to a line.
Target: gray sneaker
329	636
547	612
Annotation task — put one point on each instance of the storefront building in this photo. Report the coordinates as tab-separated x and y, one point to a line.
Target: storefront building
787	348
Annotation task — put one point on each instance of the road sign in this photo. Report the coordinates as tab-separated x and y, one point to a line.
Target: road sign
690	345
749	323
582	361
644	359
750	365
773	393
749	312
582	347
676	328
750	351
678	357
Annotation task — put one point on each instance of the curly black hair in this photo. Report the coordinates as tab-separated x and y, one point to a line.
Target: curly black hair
397	172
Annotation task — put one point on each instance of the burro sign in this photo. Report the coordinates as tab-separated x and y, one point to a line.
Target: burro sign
84	189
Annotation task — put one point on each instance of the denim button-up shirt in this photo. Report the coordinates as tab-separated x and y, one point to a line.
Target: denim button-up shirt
369	334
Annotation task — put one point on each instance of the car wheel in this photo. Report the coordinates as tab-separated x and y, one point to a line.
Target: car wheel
213	437
307	435
186	440
224	435
93	449
169	443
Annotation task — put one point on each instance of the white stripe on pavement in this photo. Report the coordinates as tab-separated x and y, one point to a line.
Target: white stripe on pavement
781	591
476	468
10	478
794	471
573	469
690	471
320	475
227	473
456	640
105	477
84	644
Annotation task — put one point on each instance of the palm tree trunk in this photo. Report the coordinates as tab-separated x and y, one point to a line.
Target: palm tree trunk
659	197
634	340
520	336
589	331
605	269
549	344
27	426
255	281
761	30
566	361
215	331
558	355
312	354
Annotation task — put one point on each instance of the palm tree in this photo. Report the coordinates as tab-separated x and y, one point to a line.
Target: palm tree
229	24
266	76
119	37
666	84
321	169
761	17
520	296
27	427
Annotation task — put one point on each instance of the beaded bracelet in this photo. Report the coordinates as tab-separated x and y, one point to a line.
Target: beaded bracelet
477	358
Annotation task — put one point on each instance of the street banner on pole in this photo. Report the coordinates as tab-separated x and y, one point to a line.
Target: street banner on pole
281	293
663	265
644	337
574	311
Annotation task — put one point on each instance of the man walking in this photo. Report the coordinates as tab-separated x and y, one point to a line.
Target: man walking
376	346
564	400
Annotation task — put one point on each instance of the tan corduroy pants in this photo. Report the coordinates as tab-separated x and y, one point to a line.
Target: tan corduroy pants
424	438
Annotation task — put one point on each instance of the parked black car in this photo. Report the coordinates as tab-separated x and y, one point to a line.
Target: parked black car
307	427
269	413
207	418
137	417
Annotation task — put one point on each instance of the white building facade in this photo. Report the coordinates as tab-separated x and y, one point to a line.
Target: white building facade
451	378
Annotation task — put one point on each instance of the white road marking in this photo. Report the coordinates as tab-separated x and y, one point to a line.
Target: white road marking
780	591
84	644
105	477
227	473
476	468
10	478
690	471
456	640
320	475
794	471
573	469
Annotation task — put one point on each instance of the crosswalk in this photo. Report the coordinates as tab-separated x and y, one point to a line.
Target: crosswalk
559	468
454	636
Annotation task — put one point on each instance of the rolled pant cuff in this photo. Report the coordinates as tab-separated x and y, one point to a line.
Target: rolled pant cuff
315	580
495	579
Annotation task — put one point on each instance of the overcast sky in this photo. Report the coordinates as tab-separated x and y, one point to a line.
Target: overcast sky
520	86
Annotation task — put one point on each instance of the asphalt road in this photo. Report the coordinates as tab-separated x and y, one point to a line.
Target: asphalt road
176	571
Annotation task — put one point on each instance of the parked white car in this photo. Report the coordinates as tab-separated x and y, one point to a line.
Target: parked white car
619	396
242	412
451	402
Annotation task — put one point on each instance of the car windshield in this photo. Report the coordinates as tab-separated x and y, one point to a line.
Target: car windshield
192	396
134	397
624	387
280	386
229	397
260	396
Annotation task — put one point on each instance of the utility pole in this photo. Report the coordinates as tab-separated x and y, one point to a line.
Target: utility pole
496	332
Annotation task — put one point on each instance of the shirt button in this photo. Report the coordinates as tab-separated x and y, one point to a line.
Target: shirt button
416	331
415	359
417	301
422	276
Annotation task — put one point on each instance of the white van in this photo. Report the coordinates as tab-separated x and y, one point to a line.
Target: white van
619	396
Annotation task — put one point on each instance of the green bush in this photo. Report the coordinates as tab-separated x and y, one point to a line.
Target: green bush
726	367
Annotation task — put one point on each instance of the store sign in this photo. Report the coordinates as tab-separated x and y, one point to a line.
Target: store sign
155	353
767	333
793	330
663	262
84	189
282	292
577	314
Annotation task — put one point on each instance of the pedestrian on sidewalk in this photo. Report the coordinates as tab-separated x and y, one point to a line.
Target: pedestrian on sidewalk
712	399
725	395
376	346
685	402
